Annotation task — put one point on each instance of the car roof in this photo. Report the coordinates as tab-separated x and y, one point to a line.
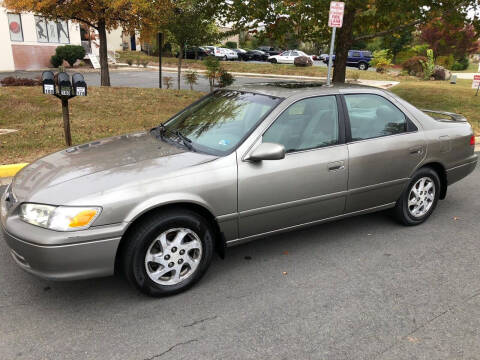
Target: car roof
286	89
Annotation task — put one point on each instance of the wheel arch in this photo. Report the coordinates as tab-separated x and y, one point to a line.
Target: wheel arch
220	244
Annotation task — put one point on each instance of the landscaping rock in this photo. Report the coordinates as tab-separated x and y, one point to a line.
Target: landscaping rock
303	61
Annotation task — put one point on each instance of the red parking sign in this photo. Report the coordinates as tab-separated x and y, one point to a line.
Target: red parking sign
335	18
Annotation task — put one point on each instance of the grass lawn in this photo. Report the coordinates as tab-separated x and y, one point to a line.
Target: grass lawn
441	95
259	68
104	112
114	111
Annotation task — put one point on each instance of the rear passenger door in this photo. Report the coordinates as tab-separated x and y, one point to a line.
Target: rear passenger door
384	148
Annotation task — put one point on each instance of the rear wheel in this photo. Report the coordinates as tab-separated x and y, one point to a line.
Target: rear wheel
168	253
419	199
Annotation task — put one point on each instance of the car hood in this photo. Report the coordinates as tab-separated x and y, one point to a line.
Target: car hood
108	157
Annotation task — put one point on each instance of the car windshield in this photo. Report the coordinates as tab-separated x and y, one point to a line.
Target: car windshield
218	123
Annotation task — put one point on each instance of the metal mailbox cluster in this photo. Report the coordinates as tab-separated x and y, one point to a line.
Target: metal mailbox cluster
64	88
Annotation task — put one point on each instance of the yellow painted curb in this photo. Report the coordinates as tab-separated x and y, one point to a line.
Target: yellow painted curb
11	170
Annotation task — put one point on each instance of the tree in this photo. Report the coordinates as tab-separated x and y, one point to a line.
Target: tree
102	15
363	19
445	38
191	22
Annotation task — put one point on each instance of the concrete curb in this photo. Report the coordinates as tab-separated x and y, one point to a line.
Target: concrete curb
10	170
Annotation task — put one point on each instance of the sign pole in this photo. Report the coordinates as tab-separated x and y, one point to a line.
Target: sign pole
478	88
160	42
335	19
330	58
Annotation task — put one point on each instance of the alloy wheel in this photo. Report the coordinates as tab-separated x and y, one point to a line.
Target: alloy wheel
173	256
421	197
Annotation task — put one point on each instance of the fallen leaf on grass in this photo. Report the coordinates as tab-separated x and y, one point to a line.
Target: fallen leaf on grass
285	253
456	218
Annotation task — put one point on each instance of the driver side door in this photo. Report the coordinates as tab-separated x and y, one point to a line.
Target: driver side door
309	184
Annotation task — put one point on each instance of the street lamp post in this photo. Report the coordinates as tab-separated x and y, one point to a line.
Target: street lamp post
160	43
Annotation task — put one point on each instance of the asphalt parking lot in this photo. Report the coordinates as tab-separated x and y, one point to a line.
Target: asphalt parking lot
361	288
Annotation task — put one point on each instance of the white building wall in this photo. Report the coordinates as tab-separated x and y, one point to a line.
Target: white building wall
6	58
30	51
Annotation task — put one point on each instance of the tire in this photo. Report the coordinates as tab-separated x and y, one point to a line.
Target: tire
273	61
363	66
225	58
413	208
179	230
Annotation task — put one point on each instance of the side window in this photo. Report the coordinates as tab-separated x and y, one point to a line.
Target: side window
373	116
295	53
356	54
308	124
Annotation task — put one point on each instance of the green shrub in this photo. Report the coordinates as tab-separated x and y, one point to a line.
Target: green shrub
428	65
382	60
191	77
231	45
130	61
445	61
70	53
225	79
461	64
56	61
213	70
421	50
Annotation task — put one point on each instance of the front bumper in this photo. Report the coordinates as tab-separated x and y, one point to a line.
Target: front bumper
64	262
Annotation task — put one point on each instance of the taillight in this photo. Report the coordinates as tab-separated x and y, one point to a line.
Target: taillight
472	140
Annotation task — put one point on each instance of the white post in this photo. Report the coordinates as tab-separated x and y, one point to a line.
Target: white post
330	58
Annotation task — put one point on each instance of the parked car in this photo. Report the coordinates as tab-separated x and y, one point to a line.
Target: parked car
356	58
240	164
195	53
269	50
287	57
239	52
222	53
256	55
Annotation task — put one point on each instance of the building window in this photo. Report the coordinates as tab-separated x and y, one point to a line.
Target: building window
15	27
52	31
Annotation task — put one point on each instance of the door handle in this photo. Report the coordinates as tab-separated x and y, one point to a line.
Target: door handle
336	166
416	150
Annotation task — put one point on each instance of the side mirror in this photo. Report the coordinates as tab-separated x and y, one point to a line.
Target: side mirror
267	151
64	84
48	83
79	85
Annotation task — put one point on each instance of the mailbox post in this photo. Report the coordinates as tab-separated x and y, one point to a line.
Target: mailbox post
64	89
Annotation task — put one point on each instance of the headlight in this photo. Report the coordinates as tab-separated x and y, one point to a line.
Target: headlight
60	218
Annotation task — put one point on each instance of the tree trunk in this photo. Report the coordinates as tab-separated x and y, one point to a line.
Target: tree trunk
343	43
104	73
180	57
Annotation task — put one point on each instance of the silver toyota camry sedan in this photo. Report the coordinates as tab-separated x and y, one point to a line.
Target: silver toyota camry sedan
238	164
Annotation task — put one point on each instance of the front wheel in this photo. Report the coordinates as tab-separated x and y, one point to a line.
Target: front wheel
362	66
419	199
273	61
168	252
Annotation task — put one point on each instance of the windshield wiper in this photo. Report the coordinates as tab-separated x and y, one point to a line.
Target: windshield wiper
186	141
162	130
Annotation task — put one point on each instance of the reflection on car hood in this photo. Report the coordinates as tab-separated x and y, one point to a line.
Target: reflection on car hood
88	159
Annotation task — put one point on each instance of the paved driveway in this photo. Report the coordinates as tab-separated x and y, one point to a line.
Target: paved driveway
143	78
361	288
